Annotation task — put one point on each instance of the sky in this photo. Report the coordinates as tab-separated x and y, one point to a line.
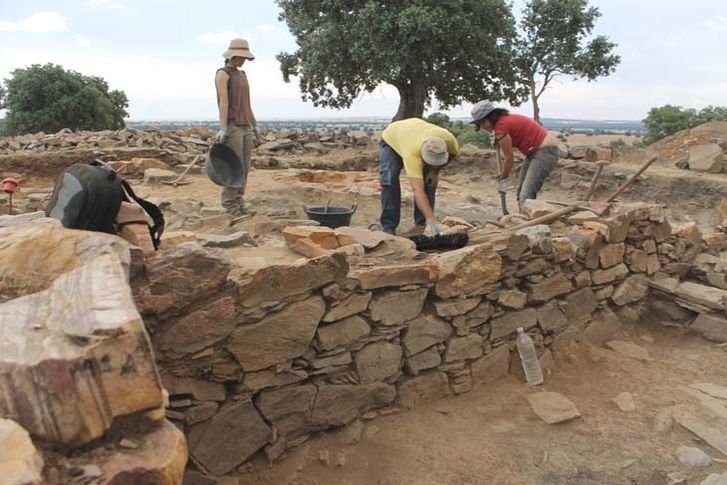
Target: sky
164	53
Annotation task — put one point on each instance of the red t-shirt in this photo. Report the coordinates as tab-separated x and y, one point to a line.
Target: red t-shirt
526	134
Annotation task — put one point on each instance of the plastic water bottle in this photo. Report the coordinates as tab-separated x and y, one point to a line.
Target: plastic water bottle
531	364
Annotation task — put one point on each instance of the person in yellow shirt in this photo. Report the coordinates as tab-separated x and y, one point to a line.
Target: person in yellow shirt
421	149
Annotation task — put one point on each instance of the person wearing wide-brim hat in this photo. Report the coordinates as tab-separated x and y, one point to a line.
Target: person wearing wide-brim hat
421	149
237	121
512	130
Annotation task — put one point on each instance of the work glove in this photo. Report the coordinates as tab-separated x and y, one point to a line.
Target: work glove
502	184
433	228
256	135
222	135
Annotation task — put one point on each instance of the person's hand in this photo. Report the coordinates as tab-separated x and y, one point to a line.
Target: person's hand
256	134
433	228
222	134
502	184
433	178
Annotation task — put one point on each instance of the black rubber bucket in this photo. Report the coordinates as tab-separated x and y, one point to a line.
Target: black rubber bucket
332	217
223	167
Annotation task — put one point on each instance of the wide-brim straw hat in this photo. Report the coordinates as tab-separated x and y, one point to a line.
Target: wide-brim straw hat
238	48
434	151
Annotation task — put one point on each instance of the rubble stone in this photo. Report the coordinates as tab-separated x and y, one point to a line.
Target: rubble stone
338	405
461	348
426	359
551	318
20	462
466	270
711	327
453	308
424	332
549	288
356	303
604	276
492	366
289	409
632	289
611	255
514	299
343	332
604	326
396	307
509	322
198	330
424	388
378	361
707	296
383	276
706	158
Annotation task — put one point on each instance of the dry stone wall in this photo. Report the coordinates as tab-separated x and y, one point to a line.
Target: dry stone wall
256	361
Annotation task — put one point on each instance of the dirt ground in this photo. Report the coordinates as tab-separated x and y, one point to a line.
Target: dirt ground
491	435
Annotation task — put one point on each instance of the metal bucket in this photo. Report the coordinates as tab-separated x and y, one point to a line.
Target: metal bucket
332	217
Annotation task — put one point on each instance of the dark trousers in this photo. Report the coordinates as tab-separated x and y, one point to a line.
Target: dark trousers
390	165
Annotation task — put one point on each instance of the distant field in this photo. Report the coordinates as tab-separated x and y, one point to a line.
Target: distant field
589	140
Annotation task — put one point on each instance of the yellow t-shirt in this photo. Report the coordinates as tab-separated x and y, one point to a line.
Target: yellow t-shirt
406	138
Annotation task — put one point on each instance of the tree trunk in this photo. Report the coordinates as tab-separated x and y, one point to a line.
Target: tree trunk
534	97
412	98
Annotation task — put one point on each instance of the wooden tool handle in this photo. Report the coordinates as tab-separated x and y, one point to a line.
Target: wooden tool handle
633	178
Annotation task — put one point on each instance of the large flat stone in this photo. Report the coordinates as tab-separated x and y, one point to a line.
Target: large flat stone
275	283
604	326
711	327
377	361
551	318
289	409
604	276
579	305
461	348
235	434
706	158
707	296
424	332
465	271
339	405
549	288
509	322
453	308
20	462
343	332
553	407
427	359
355	303
424	388
492	366
397	307
397	275
632	289
197	330
70	365
279	337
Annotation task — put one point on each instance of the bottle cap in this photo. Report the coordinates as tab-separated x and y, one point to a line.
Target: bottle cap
520	330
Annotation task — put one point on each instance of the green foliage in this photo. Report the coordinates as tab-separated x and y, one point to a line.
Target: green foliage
562	138
2	97
555	39
453	51
439	119
465	133
668	119
49	98
616	144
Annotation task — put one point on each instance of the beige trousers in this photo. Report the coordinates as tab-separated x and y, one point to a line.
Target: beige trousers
239	138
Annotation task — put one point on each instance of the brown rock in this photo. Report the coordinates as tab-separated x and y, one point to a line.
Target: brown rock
689	231
275	283
424	388
279	337
256	381
549	288
70	365
343	332
604	276
509	322
461	348
465	271
514	299
200	412
722	214
707	157
702	295
424	332
198	389
323	237
178	277
339	405
377	361
638	261
355	303
231	437
534	208
580	305
20	462
492	366
611	255
633	289
400	275
197	330
563	249
452	308
603	327
172	239
289	409
396	307
551	318
711	327
629	349
553	407
308	248
426	359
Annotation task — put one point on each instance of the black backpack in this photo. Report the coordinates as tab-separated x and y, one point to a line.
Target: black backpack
88	196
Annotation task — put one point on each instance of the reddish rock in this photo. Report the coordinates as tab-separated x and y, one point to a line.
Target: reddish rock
399	275
467	270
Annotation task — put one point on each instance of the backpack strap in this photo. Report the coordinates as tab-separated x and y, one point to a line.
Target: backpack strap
154	212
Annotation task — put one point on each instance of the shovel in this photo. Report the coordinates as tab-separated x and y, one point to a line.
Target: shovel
502	183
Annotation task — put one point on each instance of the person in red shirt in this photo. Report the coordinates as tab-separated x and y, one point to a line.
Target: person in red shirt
515	131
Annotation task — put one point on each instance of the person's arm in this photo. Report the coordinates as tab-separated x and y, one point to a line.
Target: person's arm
224	104
508	155
420	198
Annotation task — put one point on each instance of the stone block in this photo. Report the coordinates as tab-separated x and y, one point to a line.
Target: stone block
355	303
155	176
534	208
563	249
198	389
231	437
289	409
424	332
551	318
706	158
255	381
604	326
396	307
461	348
425	388
279	337
579	305
20	462
197	330
492	366
308	248
689	231
549	288
343	332
455	307
514	299
707	296
69	366
632	289
275	283
338	405
711	327
605	276
721	216
377	361
465	271
638	261
426	359
611	255
509	322
398	275
322	237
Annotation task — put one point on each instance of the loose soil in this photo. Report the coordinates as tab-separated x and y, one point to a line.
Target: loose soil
491	435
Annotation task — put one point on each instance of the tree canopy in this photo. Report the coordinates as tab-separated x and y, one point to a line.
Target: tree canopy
453	51
49	98
555	39
669	119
